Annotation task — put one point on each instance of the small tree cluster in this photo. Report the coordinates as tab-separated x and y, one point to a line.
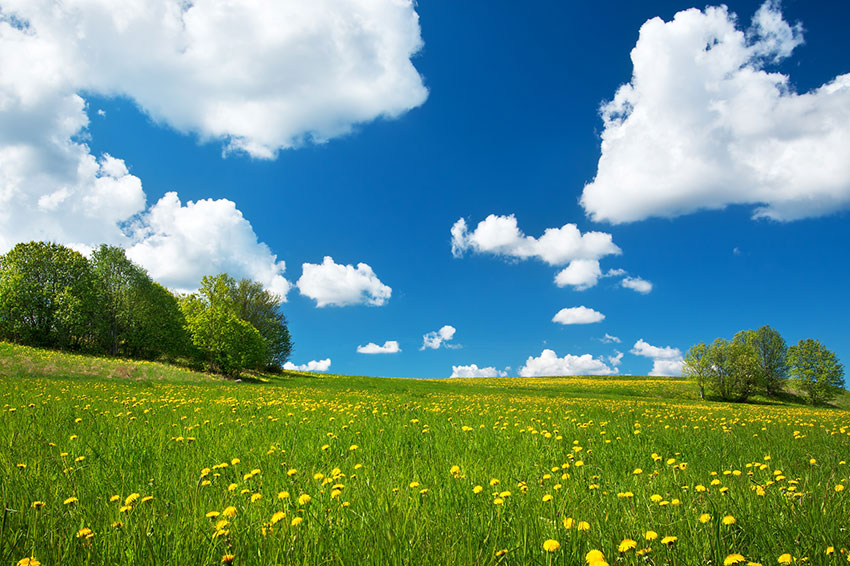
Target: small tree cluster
759	361
236	325
52	296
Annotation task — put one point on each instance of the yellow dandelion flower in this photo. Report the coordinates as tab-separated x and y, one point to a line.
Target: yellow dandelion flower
568	522
547	498
551	545
669	540
353	447
501	552
594	556
235	462
28	561
650	535
131	499
626	545
37	504
228	558
729	520
283	495
637	471
212	514
494	481
734	559
296	521
785	559
229	511
147	498
277	517
291	472
256	497
477	489
830	550
583	526
414	484
70	500
304	499
498	501
839	487
114	498
704	518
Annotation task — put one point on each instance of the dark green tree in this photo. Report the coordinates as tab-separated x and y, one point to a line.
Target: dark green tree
261	308
815	370
47	296
770	351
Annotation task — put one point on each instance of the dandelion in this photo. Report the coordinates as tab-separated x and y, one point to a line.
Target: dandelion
296	521
131	499
568	522
637	471
477	489
114	498
734	559
498	501
28	561
37	504
626	545
291	472
704	518
228	558
669	541
650	535
276	518
501	552
353	448
839	487
594	556
229	511
212	514
547	498
256	497
70	501
785	559
85	533
583	526
551	545
304	499
729	520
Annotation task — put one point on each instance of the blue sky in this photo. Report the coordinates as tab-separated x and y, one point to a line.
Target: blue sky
722	192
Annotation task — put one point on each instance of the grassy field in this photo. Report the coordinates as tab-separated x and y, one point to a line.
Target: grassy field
118	462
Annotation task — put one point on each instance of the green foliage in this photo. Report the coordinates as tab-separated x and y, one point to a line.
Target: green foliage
769	348
698	366
261	308
815	370
248	301
227	343
734	370
47	296
136	316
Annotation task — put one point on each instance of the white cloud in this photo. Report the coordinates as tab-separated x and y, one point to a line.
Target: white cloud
608	339
312	365
665	361
473	370
642	286
261	76
332	284
435	339
389	347
178	244
580	273
702	125
616	359
501	236
578	315
549	364
258	76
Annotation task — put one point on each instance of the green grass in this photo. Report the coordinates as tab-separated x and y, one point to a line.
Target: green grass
89	428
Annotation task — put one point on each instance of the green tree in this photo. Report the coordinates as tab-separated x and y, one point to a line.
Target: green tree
226	343
734	369
816	370
770	351
261	308
250	302
46	296
698	366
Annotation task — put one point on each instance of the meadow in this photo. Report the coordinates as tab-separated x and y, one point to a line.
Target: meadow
118	462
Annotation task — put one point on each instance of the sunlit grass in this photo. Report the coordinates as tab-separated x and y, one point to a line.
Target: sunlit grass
405	471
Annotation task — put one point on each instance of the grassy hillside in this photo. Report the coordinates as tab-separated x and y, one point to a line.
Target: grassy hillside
118	462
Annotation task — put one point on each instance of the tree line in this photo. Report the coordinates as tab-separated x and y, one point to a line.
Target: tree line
52	296
760	361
